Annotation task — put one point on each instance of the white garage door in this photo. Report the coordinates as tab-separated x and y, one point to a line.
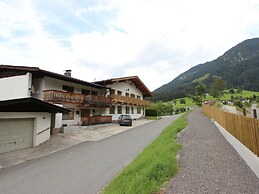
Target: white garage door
15	134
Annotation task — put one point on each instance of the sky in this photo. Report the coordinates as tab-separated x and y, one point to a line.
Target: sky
156	40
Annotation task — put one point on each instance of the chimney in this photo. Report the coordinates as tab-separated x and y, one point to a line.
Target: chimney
68	73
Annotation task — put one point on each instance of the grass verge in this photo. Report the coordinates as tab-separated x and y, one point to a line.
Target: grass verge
152	117
154	166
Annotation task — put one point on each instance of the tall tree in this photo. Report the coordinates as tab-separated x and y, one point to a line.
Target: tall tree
217	87
200	93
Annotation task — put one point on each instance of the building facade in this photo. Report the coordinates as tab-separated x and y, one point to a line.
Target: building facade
86	101
128	96
35	103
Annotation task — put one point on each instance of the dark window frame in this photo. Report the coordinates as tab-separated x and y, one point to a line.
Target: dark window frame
69	115
119	109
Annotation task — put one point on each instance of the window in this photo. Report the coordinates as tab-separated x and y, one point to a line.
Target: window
119	93
68	88
112	91
132	110
126	94
119	110
86	92
132	95
138	110
69	115
112	110
138	97
127	110
94	93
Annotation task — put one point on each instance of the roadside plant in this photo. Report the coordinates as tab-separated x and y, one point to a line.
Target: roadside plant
200	93
238	103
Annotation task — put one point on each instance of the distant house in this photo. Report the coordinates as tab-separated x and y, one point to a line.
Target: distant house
128	96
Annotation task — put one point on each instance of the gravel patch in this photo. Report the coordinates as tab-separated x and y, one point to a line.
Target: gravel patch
208	163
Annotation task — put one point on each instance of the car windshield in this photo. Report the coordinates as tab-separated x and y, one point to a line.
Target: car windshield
126	117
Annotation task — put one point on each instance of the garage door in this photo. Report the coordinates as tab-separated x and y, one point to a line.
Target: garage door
15	134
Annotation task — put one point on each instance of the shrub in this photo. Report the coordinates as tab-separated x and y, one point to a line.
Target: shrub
151	112
182	101
231	91
238	103
182	109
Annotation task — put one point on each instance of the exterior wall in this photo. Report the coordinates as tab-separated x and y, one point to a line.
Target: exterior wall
58	120
77	117
15	87
126	87
38	85
55	84
52	84
41	124
133	116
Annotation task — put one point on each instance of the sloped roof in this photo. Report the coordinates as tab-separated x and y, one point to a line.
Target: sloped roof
29	104
134	79
10	70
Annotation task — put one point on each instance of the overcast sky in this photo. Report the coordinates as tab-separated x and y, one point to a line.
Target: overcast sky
100	39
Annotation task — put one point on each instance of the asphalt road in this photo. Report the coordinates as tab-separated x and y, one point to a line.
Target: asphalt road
84	168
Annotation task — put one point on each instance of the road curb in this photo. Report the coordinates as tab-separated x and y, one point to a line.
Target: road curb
250	158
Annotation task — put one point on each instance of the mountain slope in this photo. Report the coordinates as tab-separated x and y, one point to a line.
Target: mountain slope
239	67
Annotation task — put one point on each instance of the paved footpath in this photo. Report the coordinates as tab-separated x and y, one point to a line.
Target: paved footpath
208	163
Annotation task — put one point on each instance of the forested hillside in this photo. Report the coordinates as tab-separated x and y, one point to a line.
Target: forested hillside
239	67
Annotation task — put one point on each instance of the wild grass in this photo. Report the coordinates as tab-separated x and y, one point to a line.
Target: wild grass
153	167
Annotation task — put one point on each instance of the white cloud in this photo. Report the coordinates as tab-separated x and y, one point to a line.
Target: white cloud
154	75
154	39
112	48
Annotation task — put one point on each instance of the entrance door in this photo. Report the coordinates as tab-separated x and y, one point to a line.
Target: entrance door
85	116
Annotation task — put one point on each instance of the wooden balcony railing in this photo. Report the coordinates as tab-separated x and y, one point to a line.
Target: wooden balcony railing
129	100
92	120
56	96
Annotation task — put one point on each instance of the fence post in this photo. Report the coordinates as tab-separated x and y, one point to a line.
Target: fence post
244	111
254	113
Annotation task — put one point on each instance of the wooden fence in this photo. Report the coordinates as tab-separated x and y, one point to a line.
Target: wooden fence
245	129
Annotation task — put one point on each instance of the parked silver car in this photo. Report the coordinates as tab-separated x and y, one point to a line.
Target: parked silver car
125	120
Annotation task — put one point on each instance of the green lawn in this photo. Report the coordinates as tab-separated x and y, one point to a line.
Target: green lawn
153	167
189	102
244	94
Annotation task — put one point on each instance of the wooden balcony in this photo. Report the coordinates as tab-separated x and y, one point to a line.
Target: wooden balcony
56	96
93	120
128	100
